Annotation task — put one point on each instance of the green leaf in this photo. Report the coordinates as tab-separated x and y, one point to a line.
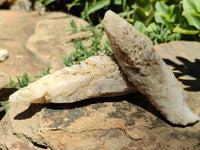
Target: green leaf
178	11
165	14
161	8
47	2
5	105
24	81
161	12
139	15
25	78
13	84
44	73
48	70
170	11
191	11
188	7
197	4
67	61
118	2
108	49
160	33
144	4
97	6
182	30
73	25
74	3
140	26
20	82
152	27
194	21
149	17
159	19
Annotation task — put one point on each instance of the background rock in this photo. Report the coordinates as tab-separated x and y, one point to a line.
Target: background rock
21	5
127	122
35	42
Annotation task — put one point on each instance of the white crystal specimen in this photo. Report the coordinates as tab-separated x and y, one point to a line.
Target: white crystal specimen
145	69
95	77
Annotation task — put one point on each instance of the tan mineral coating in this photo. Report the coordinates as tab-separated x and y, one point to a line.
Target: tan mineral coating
145	69
95	77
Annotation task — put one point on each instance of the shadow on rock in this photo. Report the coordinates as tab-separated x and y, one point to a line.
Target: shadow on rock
187	68
134	99
6	92
29	112
4	95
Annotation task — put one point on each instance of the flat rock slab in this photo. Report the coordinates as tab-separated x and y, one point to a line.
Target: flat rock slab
35	42
126	122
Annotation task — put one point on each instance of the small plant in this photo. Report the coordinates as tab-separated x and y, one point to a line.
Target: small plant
108	50
24	81
74	27
68	61
158	33
180	17
5	106
83	52
190	22
44	73
162	35
46	2
79	54
97	34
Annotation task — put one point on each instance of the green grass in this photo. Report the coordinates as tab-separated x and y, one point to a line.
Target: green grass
83	52
180	18
24	81
21	82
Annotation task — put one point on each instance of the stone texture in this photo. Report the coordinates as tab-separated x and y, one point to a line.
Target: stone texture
127	122
34	42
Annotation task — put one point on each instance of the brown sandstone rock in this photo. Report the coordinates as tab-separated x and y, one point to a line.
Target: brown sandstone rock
127	122
34	42
21	5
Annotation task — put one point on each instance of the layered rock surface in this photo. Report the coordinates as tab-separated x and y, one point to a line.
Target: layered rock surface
35	42
126	122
